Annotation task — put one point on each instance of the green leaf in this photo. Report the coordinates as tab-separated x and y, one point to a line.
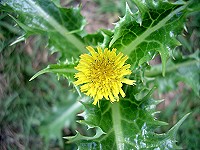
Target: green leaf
189	102
174	129
101	37
63	116
56	2
94	39
185	69
79	137
62	69
153	29
127	124
58	24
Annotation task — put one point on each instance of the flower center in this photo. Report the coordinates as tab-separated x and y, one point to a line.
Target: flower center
103	71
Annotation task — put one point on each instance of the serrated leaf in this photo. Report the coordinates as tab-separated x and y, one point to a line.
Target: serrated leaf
144	34
79	137
61	69
174	129
43	17
128	124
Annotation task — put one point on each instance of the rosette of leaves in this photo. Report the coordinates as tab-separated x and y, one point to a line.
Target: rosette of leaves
152	30
131	123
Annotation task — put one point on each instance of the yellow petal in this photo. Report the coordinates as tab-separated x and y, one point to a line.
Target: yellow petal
127	81
92	51
95	101
122	92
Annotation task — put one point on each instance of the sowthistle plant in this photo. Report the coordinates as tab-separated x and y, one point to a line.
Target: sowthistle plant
125	121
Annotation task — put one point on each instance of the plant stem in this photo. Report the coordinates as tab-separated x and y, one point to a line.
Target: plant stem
158	69
116	117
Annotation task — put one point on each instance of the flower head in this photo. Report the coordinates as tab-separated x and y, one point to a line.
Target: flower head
101	74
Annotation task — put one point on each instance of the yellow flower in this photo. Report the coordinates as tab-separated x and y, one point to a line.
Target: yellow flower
101	74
